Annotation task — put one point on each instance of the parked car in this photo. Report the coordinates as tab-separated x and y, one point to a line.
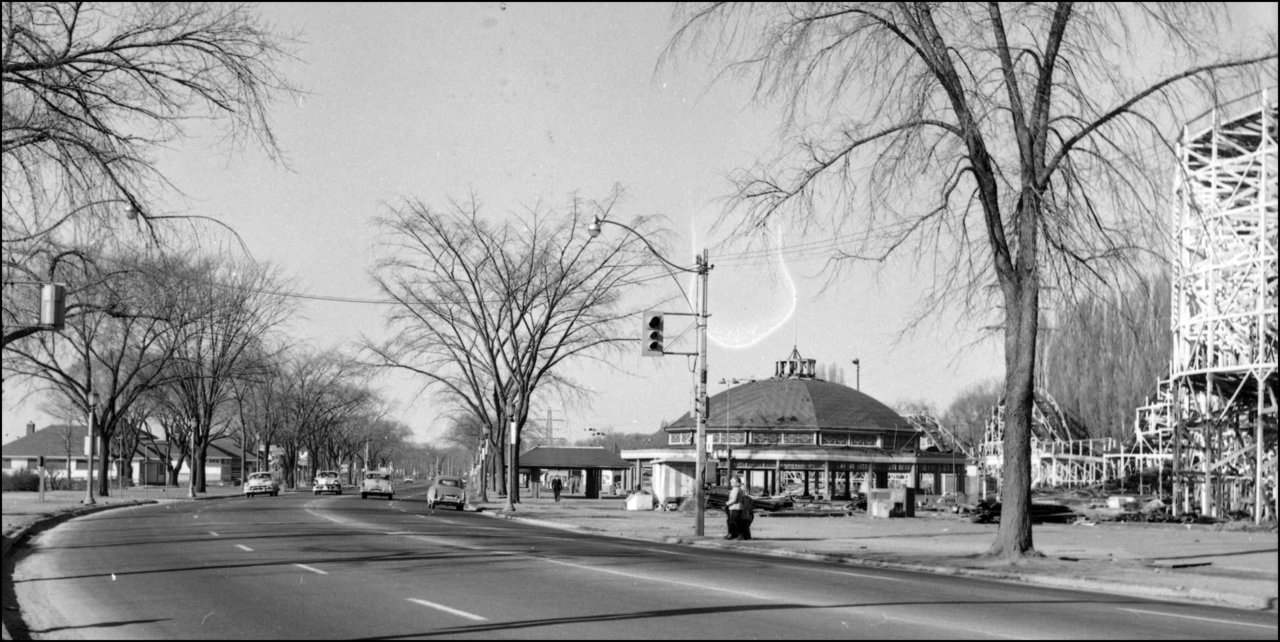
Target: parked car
447	490
327	481
376	484
261	484
407	480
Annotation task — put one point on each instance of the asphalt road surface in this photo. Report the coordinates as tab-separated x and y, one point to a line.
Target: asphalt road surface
300	566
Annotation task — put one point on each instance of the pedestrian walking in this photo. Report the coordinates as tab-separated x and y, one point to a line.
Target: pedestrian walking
556	485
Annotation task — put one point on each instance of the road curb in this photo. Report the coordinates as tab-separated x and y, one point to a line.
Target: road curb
1179	594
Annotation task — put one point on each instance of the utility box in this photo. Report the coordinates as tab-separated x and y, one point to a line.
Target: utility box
639	501
904	501
891	502
882	508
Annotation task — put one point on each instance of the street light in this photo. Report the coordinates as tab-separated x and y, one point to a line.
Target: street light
702	267
88	485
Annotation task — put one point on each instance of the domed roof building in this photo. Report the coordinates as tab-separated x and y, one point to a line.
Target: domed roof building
797	433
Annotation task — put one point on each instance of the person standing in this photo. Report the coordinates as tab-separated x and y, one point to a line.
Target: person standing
733	509
556	485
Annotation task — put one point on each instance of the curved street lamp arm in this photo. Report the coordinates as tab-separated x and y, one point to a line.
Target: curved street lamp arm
594	228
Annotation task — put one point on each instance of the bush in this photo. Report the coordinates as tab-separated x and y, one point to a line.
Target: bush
21	480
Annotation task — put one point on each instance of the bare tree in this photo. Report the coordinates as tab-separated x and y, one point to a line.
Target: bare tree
121	354
968	413
90	92
488	312
1010	143
233	306
92	89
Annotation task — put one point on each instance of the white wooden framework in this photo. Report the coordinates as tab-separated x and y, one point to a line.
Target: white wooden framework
1222	405
1061	453
1150	453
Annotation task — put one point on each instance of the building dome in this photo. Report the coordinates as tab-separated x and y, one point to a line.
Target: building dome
798	404
795	399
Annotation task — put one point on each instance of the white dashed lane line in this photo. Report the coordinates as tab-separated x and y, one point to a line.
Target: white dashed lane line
447	609
312	569
244	548
214	534
1202	619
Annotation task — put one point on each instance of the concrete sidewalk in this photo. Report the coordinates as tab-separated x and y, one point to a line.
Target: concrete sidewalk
1225	565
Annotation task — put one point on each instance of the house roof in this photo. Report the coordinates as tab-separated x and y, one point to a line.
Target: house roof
797	403
580	457
51	440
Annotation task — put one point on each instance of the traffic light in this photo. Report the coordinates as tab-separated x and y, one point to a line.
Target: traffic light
651	340
53	305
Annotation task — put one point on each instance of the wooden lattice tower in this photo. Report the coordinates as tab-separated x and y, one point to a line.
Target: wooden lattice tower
1223	367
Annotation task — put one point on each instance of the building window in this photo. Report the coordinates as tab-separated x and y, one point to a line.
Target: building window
850	439
730	438
835	439
798	438
680	439
765	438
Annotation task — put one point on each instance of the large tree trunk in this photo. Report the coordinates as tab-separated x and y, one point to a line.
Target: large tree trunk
1022	307
104	465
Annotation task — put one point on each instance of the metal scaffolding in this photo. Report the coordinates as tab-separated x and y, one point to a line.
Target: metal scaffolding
1221	402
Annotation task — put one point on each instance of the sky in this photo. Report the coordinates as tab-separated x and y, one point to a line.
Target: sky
526	104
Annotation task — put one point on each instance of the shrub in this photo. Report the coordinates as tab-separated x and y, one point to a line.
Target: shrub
20	480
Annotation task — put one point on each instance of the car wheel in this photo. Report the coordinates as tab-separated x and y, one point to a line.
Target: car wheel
275	494
458	506
339	492
364	495
317	492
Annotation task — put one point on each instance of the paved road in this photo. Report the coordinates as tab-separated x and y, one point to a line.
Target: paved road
300	566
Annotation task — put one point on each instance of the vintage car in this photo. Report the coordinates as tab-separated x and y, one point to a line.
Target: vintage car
261	484
447	490
376	484
327	481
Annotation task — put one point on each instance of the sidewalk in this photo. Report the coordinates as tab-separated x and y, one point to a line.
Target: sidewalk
1224	565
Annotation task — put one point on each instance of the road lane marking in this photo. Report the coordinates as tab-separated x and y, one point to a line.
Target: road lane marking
634	576
658	550
311	568
214	534
244	548
851	574
1202	619
446	609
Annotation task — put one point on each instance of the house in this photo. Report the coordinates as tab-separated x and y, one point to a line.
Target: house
64	448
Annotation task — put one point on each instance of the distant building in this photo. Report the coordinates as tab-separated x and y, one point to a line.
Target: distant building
797	433
64	447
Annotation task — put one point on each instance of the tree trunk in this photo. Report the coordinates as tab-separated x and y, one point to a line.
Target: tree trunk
104	465
1013	541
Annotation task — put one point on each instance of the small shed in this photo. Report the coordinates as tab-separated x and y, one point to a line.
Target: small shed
593	460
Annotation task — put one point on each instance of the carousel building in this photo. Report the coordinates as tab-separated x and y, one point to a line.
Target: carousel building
798	434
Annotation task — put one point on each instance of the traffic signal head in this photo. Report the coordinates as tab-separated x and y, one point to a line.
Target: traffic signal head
651	339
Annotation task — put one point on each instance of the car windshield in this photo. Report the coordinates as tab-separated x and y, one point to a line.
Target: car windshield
448	482
326	475
260	476
377	476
